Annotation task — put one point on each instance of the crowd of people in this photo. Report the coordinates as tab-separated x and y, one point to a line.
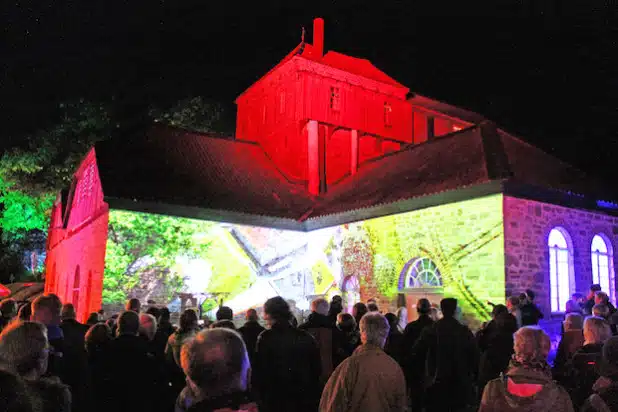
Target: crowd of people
330	361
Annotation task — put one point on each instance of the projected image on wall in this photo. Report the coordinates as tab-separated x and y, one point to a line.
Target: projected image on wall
183	263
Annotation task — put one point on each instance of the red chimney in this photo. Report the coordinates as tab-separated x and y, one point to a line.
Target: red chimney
318	36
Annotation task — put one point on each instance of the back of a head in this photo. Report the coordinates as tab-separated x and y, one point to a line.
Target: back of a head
320	306
392	320
596	330
154	311
128	323
251	315
8	308
573	321
499	310
68	311
134	305
188	320
23	347
225	313
601	297
47	308
372	307
337	299
374	329
572	306
93	319
513	301
359	310
609	366
601	310
98	335
530	294
423	306
25	312
15	395
448	306
595	288
216	361
277	309
531	345
148	325
346	322
164	314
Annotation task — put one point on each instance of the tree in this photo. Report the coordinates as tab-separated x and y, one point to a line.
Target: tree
193	113
145	246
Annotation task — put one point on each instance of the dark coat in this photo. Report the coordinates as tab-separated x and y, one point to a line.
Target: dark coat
131	373
450	355
394	345
605	393
250	332
55	396
329	340
530	314
69	362
496	346
234	402
571	341
287	369
581	372
413	371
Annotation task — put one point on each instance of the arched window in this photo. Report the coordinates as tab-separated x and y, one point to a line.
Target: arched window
602	268
75	299
420	273
559	269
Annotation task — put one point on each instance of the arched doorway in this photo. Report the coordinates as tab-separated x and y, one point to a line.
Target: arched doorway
420	278
351	292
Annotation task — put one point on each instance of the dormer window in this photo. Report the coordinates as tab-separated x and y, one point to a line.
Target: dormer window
335	99
388	118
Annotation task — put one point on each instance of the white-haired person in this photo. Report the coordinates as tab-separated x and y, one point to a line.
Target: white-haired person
217	367
582	370
369	380
24	350
527	385
329	338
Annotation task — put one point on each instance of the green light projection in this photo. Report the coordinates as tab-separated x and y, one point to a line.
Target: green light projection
158	257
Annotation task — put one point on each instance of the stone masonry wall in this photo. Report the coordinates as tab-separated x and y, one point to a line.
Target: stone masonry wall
527	225
464	239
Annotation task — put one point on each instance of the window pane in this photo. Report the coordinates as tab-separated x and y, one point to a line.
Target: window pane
557	239
595	267
598	244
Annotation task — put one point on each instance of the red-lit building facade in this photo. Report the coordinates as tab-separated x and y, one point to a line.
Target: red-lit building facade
325	139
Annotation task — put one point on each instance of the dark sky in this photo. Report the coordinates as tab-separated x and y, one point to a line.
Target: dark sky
544	71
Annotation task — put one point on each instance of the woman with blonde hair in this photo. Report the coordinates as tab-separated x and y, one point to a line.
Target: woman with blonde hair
24	349
527	385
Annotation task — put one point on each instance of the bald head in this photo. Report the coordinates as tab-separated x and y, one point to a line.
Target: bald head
216	362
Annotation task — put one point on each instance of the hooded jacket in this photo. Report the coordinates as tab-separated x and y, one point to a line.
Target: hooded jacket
525	390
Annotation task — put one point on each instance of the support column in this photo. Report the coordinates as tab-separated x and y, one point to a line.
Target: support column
354	154
313	157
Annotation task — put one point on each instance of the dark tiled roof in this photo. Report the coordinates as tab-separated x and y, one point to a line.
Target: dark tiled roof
178	172
445	108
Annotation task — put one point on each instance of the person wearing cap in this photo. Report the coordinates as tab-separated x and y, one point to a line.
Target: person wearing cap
605	390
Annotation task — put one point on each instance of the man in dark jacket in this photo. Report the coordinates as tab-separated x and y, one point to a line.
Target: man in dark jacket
414	372
73	331
250	331
530	313
605	389
131	369
326	335
451	358
287	370
589	303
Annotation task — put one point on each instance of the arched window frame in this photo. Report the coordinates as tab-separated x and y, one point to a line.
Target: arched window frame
76	289
561	270
409	267
602	260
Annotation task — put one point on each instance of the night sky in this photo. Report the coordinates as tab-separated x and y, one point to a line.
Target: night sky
543	71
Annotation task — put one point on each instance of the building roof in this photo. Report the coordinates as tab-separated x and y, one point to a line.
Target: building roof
354	65
442	108
177	172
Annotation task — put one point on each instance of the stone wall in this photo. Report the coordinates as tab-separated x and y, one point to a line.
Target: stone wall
527	225
464	239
